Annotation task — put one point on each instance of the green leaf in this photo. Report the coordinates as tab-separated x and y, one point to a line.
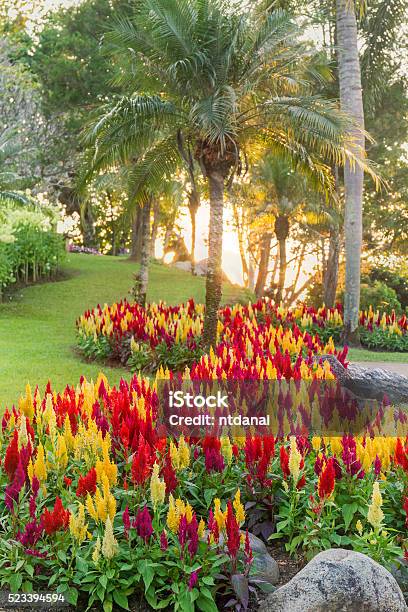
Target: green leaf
348	511
82	565
15	582
107	605
205	604
103	581
71	595
209	495
121	599
62	556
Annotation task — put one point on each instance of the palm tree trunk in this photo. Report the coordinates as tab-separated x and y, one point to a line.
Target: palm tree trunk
282	233
192	207
214	267
282	269
331	272
351	100
136	245
142	277
263	264
155	228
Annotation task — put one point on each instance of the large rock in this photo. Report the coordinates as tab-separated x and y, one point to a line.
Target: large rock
338	580
369	383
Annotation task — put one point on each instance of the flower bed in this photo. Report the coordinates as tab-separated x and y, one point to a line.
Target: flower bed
100	509
170	337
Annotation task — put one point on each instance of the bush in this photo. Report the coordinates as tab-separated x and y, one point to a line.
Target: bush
394	280
30	248
380	297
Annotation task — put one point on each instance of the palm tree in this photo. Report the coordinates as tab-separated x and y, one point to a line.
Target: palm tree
351	99
220	78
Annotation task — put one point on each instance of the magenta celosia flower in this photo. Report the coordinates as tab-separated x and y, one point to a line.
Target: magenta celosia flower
126	521
192	580
143	524
182	532
164	544
192	532
31	534
377	465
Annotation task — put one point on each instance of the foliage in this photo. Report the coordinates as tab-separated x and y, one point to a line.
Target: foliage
380	297
30	248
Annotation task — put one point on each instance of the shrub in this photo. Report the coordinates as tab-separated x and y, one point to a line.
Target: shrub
380	297
30	248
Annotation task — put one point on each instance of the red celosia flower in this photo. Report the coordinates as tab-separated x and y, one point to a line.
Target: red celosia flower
284	462
400	455
248	550
142	462
87	483
233	533
12	456
213	527
169	475
67	481
327	480
301	482
56	520
143	524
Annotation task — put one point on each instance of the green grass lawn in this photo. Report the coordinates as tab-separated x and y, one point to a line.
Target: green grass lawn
37	327
357	354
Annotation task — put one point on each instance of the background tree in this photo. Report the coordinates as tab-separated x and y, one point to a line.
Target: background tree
222	98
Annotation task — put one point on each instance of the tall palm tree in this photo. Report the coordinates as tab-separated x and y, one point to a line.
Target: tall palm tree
223	78
351	99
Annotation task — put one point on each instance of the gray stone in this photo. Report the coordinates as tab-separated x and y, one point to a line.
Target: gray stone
338	580
369	383
264	566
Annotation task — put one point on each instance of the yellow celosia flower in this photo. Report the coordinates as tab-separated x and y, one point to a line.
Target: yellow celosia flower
61	452
316	443
26	404
174	455
91	508
22	433
188	513
183	453
157	487
97	551
239	508
226	449
173	517
77	526
109	543
219	515
359	527
375	514
39	465
294	459
201	528
69	438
